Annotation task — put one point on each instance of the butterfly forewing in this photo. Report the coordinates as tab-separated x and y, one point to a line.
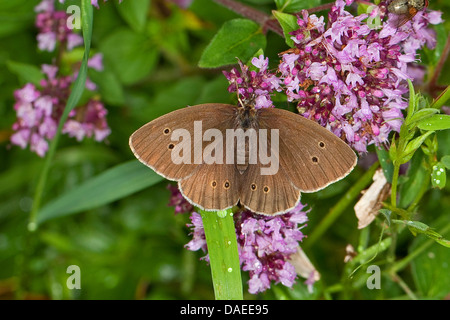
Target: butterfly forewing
153	143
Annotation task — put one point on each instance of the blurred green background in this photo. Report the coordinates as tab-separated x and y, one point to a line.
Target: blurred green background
133	247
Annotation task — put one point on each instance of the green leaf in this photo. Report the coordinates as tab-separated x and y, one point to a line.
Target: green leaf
412	146
385	162
109	186
134	13
131	55
418	175
435	122
442	99
238	38
421	115
295	5
288	23
430	269
438	176
419	227
26	72
16	16
393	149
412	100
445	160
387	214
109	86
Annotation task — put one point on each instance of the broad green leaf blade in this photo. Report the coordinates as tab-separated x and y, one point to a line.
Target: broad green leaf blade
26	72
238	38
134	13
288	23
131	55
430	269
421	115
435	122
385	163
417	182
111	185
412	146
293	6
445	160
442	99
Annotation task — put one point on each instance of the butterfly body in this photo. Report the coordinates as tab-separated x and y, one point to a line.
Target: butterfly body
262	159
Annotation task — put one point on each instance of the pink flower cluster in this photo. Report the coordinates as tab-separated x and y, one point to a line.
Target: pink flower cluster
347	76
254	88
53	28
39	110
265	244
350	78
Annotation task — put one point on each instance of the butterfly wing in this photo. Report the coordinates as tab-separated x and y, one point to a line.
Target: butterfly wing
152	144
311	156
212	187
268	194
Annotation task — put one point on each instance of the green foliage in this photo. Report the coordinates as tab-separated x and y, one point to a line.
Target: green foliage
237	38
289	23
93	205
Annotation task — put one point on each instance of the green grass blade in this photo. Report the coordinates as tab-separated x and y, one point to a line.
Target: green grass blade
113	184
223	254
77	91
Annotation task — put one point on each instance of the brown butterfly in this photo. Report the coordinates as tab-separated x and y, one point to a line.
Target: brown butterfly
215	172
406	9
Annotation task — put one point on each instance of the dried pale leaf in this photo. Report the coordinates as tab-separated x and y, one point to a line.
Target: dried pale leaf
366	209
303	265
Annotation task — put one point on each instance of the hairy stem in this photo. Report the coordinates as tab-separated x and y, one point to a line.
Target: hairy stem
264	20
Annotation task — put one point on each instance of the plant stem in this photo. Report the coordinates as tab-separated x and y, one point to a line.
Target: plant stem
340	207
396	278
264	20
223	254
432	85
395	184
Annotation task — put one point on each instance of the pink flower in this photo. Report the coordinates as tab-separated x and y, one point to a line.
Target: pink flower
88	121
39	112
352	78
254	88
53	28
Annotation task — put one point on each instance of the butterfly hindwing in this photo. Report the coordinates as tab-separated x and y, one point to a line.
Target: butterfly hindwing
311	156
